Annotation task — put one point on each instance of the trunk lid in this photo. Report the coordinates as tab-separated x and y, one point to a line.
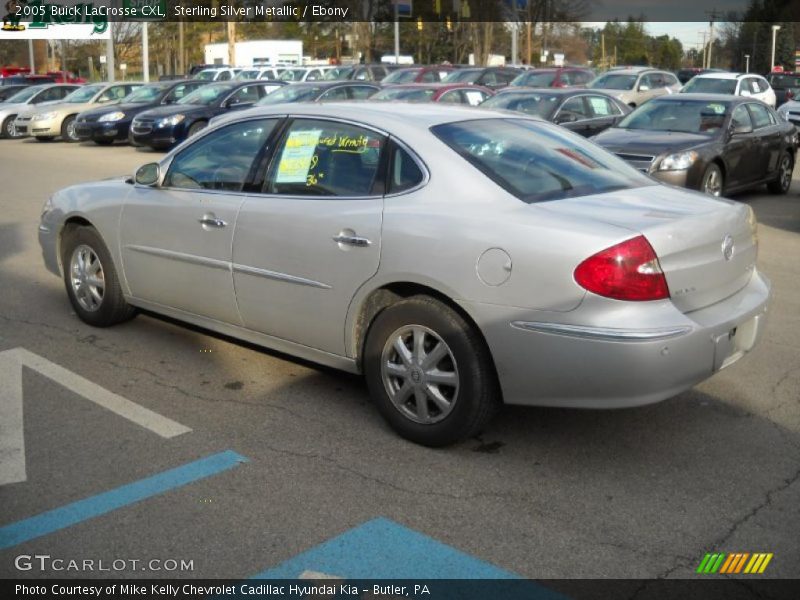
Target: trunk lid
706	246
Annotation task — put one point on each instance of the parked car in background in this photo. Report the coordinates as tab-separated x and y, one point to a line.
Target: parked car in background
53	120
636	85
447	93
258	73
785	85
717	144
736	84
65	77
790	111
26	80
586	112
555	78
685	75
166	126
216	74
490	77
107	123
29	97
371	73
426	74
458	258
195	69
322	91
7	91
296	74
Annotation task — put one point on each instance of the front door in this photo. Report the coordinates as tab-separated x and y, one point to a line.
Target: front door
304	246
176	238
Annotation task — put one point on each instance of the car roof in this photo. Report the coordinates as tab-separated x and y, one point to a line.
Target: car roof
331	84
725	75
552	91
705	98
634	70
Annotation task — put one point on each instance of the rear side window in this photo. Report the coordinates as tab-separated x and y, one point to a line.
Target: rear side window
325	158
404	172
537	161
602	107
741	118
761	116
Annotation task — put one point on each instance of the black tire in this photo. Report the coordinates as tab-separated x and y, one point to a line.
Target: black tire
473	403
713	181
8	128
196	128
783	181
68	132
112	308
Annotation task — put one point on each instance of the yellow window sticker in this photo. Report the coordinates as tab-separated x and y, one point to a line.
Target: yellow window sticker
297	156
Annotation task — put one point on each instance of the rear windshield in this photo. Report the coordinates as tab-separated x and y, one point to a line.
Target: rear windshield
535	79
612	81
463	76
709	85
537	161
402	76
405	94
84	94
532	103
686	116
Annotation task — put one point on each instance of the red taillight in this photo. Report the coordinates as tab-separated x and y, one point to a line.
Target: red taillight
627	271
789	94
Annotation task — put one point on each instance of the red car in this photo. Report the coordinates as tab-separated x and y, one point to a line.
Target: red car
452	93
427	74
11	71
558	77
65	77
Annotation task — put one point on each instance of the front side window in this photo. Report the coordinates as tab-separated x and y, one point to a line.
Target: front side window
537	161
224	76
146	93
324	158
574	107
612	81
220	160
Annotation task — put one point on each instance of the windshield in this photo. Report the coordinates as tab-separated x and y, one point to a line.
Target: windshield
337	73
405	94
206	95
784	81
83	94
147	93
292	93
26	94
402	76
534	79
292	75
709	85
685	116
539	105
538	161
462	76
613	81
247	74
206	75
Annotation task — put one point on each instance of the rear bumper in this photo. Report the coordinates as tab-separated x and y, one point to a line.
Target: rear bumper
608	354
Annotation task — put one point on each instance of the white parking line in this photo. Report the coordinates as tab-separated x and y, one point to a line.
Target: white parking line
12	441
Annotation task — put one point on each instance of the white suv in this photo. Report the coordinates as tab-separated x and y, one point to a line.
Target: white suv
736	84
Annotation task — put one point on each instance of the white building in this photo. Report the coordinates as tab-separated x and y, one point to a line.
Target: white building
257	52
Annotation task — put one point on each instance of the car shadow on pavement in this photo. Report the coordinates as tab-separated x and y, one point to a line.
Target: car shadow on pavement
779	211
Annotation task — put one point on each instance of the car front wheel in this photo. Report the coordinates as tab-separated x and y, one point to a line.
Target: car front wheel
429	372
713	181
783	181
9	131
68	133
91	280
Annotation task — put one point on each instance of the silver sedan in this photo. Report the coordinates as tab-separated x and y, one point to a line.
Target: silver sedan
458	258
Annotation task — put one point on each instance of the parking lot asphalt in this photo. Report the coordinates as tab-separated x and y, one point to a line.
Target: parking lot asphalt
277	456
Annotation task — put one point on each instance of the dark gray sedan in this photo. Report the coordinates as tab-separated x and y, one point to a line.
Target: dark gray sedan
582	111
717	144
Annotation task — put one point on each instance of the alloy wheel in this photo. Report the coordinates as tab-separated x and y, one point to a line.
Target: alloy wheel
712	184
87	278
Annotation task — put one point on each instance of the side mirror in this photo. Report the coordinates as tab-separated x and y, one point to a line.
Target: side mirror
741	129
148	174
566	117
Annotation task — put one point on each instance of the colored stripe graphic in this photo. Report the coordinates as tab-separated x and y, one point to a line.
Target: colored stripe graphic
94	506
734	563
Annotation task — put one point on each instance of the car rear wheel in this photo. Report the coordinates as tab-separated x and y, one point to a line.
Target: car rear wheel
68	132
429	372
91	280
713	181
783	181
8	130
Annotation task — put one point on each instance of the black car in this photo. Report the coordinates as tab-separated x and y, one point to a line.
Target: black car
586	112
713	143
165	126
359	73
322	91
107	123
785	85
491	77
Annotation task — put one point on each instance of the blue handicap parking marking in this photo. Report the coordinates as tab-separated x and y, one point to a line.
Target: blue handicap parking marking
383	549
100	504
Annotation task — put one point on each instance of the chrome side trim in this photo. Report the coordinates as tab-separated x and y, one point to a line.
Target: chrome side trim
607	334
255	271
193	259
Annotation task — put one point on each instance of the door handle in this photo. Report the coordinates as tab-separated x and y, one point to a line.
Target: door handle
211	221
352	240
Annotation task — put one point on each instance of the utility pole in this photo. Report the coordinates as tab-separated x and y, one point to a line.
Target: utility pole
232	43
31	59
396	33
703	33
110	67
145	54
603	64
712	16
775	29
181	66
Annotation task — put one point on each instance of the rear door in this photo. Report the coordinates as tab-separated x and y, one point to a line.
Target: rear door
313	236
768	139
604	113
575	115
